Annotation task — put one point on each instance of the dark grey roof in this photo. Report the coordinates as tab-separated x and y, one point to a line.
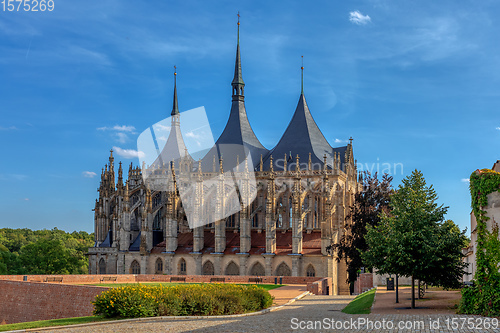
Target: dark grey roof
107	240
301	137
238	139
173	150
136	245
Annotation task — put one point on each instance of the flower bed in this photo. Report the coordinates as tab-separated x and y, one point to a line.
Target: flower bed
137	300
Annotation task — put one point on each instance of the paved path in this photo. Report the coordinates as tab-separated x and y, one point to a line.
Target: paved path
434	302
286	293
311	310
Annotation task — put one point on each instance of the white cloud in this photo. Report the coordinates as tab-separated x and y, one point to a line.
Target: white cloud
357	18
498	128
192	135
121	137
26	199
89	174
465	180
10	128
120	132
162	138
160	127
128	153
339	141
118	128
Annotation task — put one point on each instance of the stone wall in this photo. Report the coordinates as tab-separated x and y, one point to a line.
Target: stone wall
131	278
30	301
363	283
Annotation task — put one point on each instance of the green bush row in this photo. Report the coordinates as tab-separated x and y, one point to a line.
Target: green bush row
138	300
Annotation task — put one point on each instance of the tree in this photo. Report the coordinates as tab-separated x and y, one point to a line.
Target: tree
413	240
368	206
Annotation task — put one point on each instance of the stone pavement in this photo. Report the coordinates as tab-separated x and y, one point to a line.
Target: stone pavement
286	293
435	301
310	314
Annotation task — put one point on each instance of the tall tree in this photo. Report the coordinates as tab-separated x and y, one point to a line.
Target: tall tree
413	240
368	206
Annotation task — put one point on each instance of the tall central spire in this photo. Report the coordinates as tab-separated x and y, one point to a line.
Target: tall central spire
238	84
175	106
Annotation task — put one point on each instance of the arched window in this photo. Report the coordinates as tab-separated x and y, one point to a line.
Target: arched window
157	220
208	268
102	266
290	211
283	270
258	270
310	271
279	222
231	221
159	266
135	268
182	267
157	199
232	269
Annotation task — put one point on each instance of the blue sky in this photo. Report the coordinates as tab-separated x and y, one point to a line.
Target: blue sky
413	82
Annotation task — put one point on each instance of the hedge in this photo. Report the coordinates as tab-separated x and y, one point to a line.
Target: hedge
138	300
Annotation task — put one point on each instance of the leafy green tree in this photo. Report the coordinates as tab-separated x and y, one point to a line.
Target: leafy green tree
47	256
368	206
413	240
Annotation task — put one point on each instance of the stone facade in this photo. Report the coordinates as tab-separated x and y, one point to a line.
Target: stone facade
300	205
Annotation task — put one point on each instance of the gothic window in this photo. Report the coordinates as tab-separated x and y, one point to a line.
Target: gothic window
255	221
159	266
290	211
102	266
135	268
311	272
279	222
157	220
157	200
283	270
258	270
232	269
182	267
208	268
231	221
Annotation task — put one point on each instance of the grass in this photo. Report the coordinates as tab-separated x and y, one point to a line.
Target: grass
169	284
361	304
52	322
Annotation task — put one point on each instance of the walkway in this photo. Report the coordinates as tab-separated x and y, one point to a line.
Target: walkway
318	313
286	293
434	302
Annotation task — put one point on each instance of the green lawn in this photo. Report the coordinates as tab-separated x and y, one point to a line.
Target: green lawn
52	322
169	284
361	304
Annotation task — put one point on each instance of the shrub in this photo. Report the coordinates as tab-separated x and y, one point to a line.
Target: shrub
183	300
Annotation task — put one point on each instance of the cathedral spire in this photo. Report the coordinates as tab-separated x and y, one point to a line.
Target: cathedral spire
302	77
238	84
175	106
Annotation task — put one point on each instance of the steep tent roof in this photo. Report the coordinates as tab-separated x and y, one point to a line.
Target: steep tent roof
238	139
301	137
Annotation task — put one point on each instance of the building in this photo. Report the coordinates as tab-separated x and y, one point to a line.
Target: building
493	212
303	189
